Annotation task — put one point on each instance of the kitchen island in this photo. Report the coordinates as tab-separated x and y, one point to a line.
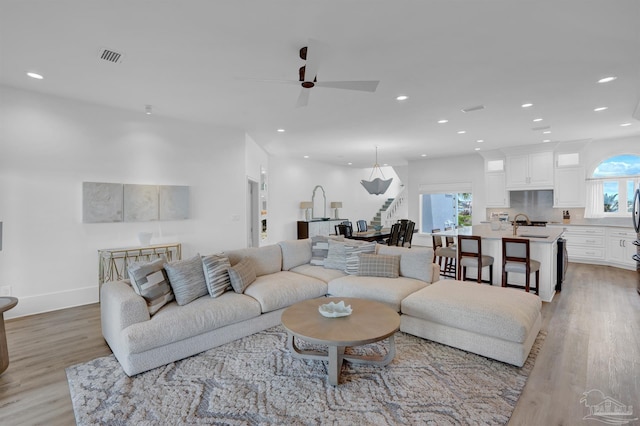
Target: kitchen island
544	249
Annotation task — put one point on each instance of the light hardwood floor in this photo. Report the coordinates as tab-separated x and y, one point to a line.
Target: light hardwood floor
593	342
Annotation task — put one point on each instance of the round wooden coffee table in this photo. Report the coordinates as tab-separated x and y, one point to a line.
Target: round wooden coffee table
6	303
369	322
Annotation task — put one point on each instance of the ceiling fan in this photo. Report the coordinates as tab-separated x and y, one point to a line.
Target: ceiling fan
313	54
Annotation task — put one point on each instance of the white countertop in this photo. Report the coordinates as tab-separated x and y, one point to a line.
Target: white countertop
532	233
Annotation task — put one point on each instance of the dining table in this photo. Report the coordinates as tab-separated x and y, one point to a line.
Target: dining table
372	235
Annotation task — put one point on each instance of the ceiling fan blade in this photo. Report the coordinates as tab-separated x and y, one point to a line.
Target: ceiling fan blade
364	86
316	53
262	80
303	98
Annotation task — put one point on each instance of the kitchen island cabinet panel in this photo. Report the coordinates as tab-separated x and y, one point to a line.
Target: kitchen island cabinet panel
543	249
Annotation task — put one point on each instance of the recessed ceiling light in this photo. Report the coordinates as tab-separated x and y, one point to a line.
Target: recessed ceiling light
442	121
527	105
546	140
423	155
625	124
607	79
477	149
600	109
546	132
148	109
280	130
402	98
537	119
349	163
35	75
461	132
480	140
306	156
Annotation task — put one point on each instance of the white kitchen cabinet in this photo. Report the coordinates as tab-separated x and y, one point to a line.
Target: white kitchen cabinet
620	248
569	187
530	171
496	187
585	244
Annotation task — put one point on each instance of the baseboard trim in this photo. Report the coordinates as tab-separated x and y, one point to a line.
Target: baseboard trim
41	303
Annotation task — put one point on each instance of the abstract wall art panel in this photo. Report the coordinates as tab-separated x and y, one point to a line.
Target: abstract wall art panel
140	203
102	202
174	202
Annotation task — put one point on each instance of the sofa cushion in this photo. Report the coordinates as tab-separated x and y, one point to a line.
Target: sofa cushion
216	274
187	279
148	279
504	313
295	253
390	291
174	323
352	255
320	248
242	274
282	289
415	262
266	260
319	272
379	265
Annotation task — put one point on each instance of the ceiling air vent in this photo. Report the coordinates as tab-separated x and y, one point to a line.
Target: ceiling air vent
473	108
110	55
535	129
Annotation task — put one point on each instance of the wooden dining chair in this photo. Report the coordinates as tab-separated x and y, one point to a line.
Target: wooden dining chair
408	234
345	230
394	237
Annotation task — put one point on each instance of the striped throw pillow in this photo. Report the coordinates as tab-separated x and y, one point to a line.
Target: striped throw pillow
379	265
148	279
352	252
187	279
216	274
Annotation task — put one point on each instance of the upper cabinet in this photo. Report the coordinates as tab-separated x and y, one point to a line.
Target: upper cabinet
530	171
569	187
496	183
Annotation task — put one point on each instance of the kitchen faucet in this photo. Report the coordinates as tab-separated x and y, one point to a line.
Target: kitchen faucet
515	222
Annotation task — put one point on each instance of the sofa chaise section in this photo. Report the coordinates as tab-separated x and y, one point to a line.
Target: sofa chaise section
495	322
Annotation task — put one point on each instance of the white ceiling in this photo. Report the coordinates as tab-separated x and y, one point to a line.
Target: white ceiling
199	61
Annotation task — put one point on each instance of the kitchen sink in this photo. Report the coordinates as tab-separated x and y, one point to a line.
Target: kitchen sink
533	236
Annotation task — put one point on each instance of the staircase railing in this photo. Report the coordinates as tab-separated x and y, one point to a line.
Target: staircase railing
397	209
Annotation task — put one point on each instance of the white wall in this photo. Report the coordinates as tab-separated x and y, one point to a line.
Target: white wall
50	145
292	181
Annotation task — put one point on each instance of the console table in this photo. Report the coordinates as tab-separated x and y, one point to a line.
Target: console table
317	227
113	263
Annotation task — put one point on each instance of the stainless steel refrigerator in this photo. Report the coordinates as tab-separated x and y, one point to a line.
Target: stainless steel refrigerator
636	225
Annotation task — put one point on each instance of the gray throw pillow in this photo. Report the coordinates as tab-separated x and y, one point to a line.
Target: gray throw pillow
148	279
336	257
242	274
187	279
216	274
379	265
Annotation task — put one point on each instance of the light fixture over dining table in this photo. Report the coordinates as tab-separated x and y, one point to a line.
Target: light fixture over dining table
376	186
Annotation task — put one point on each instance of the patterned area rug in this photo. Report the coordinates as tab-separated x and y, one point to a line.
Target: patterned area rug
255	381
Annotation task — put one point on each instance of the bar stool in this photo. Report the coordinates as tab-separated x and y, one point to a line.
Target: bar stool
448	253
470	255
516	257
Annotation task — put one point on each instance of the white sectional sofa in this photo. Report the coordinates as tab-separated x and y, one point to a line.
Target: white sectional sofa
285	273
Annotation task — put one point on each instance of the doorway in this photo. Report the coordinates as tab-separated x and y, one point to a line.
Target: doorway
253	216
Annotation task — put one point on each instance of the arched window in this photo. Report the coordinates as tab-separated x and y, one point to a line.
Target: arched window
611	189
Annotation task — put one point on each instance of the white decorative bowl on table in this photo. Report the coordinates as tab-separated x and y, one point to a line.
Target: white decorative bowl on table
334	310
